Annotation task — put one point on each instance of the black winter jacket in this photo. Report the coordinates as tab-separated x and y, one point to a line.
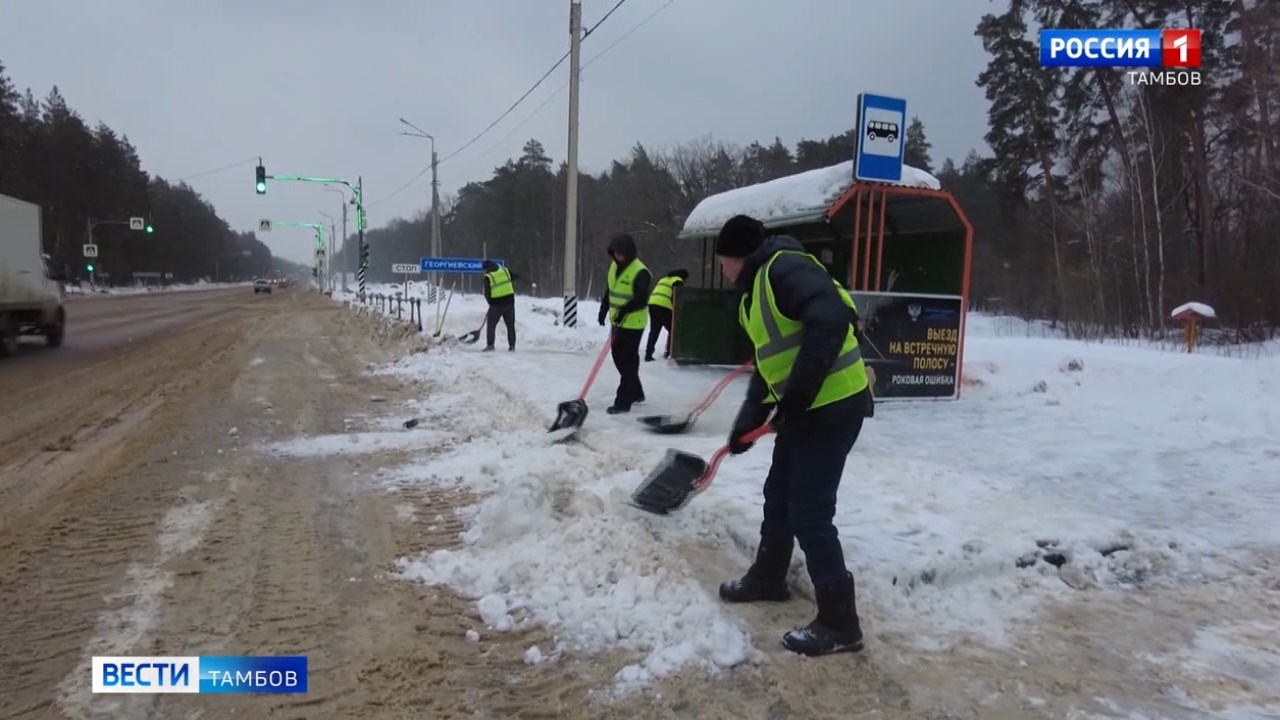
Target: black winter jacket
803	291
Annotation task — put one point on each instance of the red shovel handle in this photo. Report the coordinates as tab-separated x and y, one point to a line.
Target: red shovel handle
720	387
723	453
591	379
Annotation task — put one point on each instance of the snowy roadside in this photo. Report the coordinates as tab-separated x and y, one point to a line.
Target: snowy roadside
81	291
1069	473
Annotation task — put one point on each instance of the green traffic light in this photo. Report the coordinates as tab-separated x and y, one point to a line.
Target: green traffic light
89	267
150	228
262	188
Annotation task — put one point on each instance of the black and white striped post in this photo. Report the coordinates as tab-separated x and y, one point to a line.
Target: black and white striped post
364	258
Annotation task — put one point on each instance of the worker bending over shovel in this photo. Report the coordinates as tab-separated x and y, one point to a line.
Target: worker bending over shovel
809	374
500	293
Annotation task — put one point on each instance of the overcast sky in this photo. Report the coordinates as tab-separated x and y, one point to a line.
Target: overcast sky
316	86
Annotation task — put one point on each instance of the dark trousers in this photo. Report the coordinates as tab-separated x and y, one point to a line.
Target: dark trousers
800	497
508	315
659	320
626	358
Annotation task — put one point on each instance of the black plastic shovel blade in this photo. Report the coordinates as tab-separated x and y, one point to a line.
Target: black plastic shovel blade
570	414
470	338
671	484
667	424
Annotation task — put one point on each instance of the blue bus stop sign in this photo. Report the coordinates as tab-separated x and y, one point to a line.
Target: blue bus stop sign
881	146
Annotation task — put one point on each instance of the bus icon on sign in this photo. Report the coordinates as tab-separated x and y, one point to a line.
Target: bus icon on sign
877	129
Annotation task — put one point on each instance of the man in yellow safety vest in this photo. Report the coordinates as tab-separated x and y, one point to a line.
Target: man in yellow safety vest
811	384
661	310
500	292
624	302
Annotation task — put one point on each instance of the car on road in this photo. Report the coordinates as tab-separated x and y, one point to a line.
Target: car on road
261	285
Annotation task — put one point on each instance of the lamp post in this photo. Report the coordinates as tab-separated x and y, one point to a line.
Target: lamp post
435	191
343	246
328	257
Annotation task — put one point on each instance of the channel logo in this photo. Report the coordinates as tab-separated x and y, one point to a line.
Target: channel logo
1170	48
226	674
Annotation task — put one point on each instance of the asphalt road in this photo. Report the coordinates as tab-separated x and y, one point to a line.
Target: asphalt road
97	325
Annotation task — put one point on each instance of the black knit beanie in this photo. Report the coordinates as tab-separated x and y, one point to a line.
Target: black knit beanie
740	236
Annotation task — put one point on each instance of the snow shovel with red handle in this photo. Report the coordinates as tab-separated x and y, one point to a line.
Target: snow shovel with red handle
573	413
671	425
681	475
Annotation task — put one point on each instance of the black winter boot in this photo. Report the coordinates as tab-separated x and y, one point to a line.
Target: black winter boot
766	579
836	629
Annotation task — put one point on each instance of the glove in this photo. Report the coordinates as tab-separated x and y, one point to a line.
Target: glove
750	417
788	413
600	318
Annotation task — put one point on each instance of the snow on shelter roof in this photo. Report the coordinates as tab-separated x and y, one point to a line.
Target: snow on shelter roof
804	197
1193	307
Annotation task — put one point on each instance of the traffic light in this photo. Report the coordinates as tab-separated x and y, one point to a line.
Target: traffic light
364	256
261	180
150	228
88	266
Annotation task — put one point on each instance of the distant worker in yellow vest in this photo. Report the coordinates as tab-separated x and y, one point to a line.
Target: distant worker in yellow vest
624	302
500	292
661	310
810	382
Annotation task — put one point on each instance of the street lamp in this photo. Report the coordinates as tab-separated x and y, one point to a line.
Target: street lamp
435	186
328	260
343	246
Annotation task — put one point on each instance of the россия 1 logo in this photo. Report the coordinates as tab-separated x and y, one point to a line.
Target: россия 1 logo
1159	57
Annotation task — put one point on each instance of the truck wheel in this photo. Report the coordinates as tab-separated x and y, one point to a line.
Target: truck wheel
53	333
8	336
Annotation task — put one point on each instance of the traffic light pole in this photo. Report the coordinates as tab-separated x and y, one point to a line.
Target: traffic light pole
90	224
357	189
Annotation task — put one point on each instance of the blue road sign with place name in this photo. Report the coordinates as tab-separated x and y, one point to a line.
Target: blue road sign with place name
454	265
882	121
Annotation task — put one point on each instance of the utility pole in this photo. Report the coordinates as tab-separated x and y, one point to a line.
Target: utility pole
435	207
435	249
571	195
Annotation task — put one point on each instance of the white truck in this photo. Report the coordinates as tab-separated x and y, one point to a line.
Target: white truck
31	300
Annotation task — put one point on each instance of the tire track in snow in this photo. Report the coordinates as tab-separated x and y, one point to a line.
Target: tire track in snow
123	630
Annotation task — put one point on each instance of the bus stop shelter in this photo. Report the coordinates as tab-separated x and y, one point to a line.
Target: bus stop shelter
903	250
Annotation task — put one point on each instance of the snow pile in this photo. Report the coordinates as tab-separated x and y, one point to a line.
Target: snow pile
1067	468
785	198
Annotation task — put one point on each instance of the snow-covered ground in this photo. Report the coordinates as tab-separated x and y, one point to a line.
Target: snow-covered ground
1067	471
142	289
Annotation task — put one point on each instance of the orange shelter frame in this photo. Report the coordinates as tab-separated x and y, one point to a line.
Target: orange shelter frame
877	201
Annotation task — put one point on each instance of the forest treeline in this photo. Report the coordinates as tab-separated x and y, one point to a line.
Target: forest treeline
1103	205
51	157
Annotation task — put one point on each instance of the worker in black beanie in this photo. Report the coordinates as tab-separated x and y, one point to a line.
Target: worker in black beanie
625	303
811	384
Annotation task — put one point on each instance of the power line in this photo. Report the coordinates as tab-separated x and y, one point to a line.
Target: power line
218	170
508	111
585	65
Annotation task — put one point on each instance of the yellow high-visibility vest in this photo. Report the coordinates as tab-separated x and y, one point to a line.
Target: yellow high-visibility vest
664	292
621	291
776	338
500	283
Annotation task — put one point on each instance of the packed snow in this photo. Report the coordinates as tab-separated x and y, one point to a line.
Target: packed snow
789	197
1065	468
